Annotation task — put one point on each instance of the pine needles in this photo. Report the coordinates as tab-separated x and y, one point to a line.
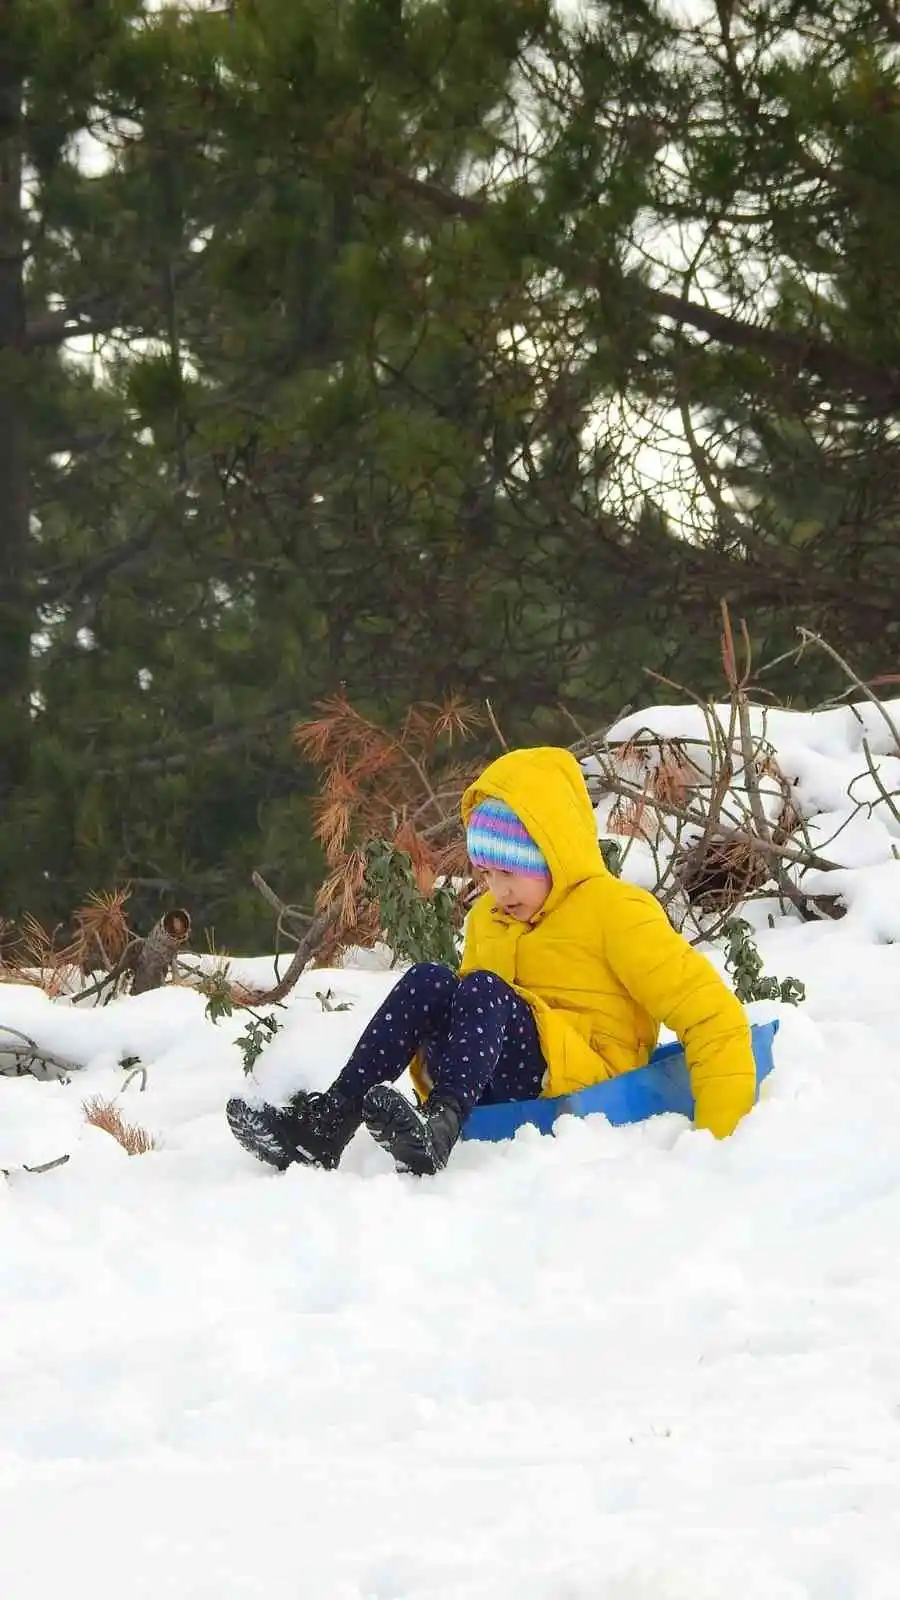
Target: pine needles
99	937
399	790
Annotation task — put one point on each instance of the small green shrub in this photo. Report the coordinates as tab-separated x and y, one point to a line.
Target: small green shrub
744	962
417	928
252	1042
220	1002
216	986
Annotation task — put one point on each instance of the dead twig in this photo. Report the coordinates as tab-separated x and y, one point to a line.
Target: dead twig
28	1053
136	1072
809	637
17	1034
808	859
109	980
44	1166
738	685
876	777
587	743
496	726
309	945
285	912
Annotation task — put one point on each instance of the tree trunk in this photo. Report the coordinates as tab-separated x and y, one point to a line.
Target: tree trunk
15	614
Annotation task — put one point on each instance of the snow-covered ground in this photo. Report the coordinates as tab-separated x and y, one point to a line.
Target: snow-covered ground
617	1364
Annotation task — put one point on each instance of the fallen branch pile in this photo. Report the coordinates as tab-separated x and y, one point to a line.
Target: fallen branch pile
717	813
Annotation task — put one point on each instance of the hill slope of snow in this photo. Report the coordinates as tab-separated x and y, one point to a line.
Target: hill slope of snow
618	1364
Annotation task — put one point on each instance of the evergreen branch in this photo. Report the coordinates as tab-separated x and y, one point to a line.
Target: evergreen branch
92	315
87	316
833	365
94	575
218	738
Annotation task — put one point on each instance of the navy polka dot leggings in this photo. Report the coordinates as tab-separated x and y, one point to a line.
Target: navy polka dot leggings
478	1036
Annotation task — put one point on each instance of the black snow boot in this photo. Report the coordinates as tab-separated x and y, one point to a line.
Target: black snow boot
313	1129
419	1138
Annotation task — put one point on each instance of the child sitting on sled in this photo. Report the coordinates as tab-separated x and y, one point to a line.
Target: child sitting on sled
566	975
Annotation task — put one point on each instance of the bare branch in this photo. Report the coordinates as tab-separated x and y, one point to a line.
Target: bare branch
312	940
814	638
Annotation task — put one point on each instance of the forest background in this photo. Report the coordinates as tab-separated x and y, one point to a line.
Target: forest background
451	350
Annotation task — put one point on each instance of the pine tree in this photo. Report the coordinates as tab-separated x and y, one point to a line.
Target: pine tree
327	370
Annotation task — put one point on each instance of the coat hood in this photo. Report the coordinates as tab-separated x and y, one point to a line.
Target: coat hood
545	787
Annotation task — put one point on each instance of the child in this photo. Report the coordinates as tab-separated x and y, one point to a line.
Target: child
565	977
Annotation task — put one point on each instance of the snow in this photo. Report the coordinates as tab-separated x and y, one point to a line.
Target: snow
616	1364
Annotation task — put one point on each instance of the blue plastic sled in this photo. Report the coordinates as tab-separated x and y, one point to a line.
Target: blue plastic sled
663	1085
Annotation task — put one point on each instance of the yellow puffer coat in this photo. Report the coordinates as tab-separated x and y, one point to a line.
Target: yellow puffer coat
600	965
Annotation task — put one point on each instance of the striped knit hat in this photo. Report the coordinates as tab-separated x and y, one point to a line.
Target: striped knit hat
496	838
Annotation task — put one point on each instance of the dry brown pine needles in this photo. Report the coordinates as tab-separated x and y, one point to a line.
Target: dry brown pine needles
105	1114
403	787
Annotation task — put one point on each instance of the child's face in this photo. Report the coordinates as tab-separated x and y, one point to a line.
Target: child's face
520	895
